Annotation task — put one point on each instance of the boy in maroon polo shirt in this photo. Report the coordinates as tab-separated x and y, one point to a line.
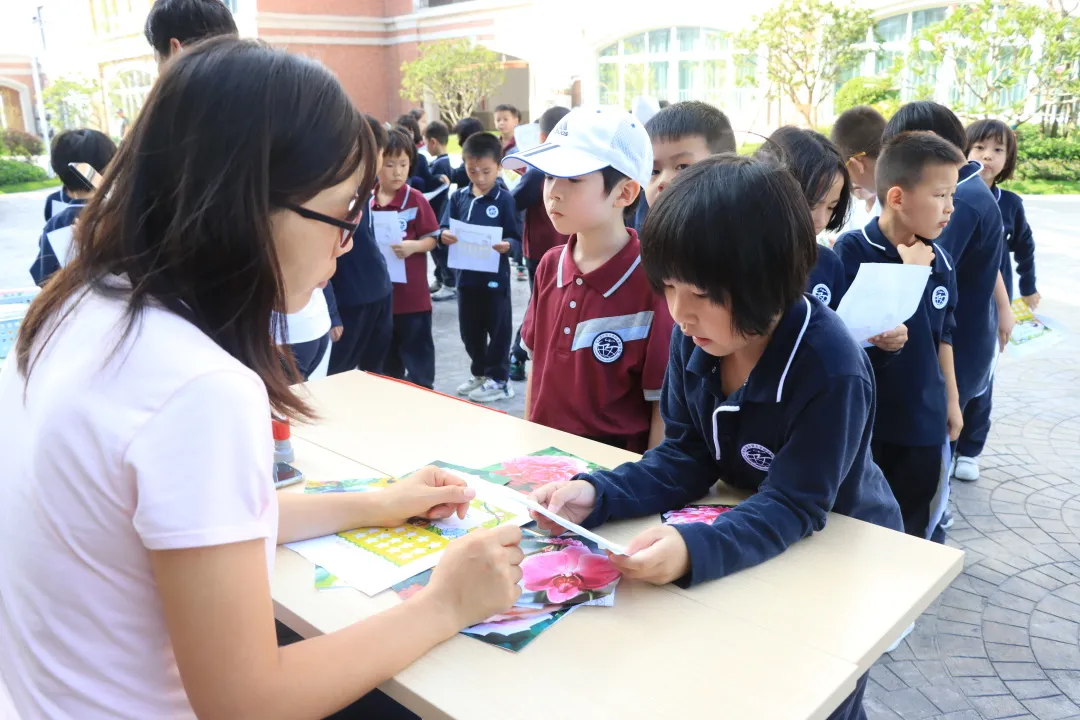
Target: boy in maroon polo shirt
412	348
597	334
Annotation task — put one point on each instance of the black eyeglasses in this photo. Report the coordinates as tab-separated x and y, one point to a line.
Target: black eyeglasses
349	224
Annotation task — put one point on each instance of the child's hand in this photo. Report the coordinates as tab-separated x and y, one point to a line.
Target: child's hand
954	420
501	247
658	556
406	248
1033	300
444	180
918	253
336	332
1006	322
400	251
890	340
447	238
429	492
572	499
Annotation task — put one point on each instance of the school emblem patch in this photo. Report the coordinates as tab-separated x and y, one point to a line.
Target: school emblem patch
403	224
492	211
940	296
607	347
757	456
822	292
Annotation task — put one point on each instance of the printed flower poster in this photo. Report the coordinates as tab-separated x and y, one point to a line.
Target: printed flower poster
528	472
565	571
695	513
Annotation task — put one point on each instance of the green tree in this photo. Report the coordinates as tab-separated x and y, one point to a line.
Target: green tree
1001	54
455	74
806	45
879	93
73	102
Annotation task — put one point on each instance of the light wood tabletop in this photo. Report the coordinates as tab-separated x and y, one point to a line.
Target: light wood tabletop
786	639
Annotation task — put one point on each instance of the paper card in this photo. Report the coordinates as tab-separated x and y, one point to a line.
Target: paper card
473	250
565	571
60	240
695	513
373	559
527	136
882	296
388	232
528	472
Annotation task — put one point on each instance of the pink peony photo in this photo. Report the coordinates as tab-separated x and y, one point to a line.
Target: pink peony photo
530	472
695	513
567	573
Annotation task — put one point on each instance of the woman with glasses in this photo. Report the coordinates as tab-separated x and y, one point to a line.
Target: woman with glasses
138	519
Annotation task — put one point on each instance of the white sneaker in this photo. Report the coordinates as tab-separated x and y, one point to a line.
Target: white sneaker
967	469
474	383
444	293
491	391
901	638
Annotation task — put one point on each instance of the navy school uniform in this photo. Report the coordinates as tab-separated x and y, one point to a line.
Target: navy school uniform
57	202
484	311
910	427
441	166
827	281
973	239
47	263
362	287
1019	244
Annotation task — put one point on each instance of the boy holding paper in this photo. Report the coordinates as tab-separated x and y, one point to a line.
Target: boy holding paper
412	348
597	334
918	402
484	311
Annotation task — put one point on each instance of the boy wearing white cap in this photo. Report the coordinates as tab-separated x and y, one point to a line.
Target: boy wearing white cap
596	332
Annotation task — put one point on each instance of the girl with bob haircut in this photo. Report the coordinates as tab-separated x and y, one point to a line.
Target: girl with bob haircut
139	520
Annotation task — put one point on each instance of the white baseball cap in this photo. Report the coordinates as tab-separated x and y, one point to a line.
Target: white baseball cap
588	139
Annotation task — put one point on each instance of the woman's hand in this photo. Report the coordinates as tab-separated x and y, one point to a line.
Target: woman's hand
478	575
658	556
430	492
573	499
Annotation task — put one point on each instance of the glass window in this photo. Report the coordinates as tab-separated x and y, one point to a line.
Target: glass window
634	45
922	18
746	70
689	79
892	30
715	41
633	83
658	80
609	84
689	39
885	63
610	51
659	41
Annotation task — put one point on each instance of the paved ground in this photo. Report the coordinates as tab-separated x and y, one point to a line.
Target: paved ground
1004	640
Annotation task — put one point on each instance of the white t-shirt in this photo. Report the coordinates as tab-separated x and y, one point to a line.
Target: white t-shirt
310	323
164	444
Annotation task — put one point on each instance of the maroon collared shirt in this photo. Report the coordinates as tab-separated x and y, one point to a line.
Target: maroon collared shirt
418	221
599	343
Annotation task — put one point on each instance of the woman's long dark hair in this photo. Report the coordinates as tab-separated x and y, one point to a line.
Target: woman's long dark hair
231	131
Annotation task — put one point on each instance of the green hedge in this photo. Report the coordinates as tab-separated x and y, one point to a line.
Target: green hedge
1044	158
15	171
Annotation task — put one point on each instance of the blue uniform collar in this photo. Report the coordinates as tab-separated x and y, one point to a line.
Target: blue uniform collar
872	235
972	169
767	379
492	194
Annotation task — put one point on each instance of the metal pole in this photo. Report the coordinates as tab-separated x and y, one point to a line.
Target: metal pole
43	125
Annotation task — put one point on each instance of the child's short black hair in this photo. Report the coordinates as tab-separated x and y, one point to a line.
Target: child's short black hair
927	115
738	229
411	126
466	128
378	130
418	113
506	107
80	146
551	118
905	156
399	143
482	145
988	129
186	21
858	131
692	117
438	132
815	162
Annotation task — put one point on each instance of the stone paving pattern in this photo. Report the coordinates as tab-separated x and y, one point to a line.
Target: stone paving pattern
1003	641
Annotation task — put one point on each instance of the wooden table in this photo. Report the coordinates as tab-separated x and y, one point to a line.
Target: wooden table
786	639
